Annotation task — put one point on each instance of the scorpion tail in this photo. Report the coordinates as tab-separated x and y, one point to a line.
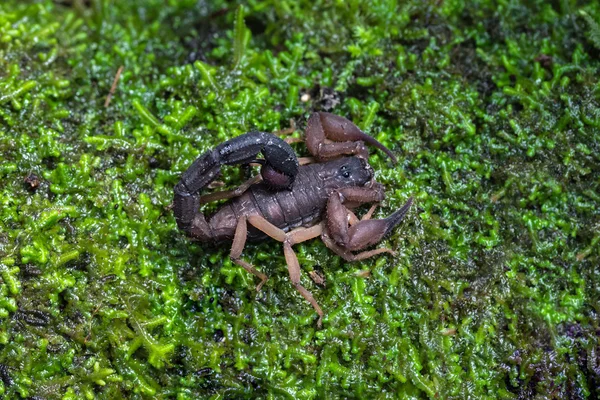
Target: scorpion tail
279	169
186	201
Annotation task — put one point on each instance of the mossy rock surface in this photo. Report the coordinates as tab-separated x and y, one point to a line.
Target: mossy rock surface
492	107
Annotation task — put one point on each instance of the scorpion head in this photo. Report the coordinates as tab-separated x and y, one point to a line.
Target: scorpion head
347	172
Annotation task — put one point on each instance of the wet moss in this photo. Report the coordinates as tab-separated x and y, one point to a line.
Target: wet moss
493	109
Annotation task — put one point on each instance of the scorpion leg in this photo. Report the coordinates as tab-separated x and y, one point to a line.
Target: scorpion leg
305	160
239	241
343	237
228	194
369	213
347	137
294	270
287	131
289	239
353	219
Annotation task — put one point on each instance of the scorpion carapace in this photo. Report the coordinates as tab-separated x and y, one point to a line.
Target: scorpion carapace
288	202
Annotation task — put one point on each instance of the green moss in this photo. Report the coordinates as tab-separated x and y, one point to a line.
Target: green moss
493	109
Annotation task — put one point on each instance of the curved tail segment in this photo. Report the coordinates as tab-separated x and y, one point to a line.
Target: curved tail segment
347	138
280	168
186	202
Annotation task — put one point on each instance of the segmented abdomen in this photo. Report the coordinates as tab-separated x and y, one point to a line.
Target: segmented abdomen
286	209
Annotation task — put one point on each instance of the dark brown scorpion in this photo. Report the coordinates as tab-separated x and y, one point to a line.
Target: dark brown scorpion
288	202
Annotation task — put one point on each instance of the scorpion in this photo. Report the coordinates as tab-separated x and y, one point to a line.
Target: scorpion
291	200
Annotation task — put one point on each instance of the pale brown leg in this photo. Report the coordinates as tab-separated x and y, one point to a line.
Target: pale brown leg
305	160
369	213
267	227
294	270
215	185
287	131
353	219
289	239
300	235
227	194
239	241
291	140
295	236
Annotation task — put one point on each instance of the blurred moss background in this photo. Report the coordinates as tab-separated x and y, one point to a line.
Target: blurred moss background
493	108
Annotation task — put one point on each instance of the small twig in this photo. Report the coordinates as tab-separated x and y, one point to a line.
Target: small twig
114	86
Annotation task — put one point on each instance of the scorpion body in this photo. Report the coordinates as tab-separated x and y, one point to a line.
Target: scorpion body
292	203
303	205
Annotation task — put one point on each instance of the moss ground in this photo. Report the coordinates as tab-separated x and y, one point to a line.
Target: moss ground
493	108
